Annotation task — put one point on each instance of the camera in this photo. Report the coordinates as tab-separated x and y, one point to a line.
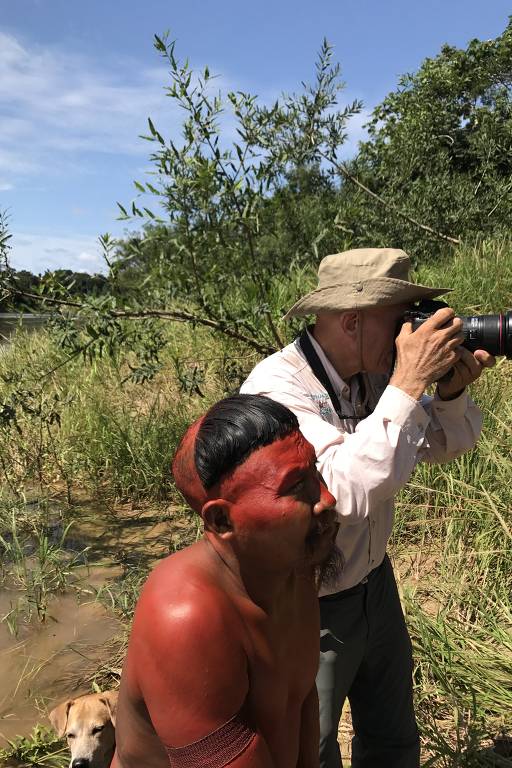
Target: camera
490	332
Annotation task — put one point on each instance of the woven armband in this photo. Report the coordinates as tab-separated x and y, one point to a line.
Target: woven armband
217	749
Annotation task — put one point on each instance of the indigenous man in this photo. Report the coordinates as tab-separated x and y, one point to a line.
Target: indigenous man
224	647
369	424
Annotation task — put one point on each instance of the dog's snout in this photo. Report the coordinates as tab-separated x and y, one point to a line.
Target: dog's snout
80	762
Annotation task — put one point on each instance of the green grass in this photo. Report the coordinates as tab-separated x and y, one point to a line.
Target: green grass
35	561
455	520
87	427
40	748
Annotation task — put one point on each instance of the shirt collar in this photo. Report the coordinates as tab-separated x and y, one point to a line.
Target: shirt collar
340	386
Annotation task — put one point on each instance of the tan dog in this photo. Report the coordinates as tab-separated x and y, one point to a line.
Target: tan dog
88	723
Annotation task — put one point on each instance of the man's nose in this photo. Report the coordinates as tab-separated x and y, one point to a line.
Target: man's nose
326	500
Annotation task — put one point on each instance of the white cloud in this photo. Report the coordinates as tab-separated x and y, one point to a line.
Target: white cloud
58	104
15	161
5	187
55	103
38	253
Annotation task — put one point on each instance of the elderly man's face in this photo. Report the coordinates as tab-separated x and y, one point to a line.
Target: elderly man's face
282	513
379	327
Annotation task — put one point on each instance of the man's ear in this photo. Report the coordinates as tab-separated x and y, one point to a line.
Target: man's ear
59	717
349	321
216	516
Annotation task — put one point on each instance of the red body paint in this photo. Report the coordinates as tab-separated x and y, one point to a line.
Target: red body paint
231	623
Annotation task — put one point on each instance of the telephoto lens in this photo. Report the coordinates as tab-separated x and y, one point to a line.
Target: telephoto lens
490	332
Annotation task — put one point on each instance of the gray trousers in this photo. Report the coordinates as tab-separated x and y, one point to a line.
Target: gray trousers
365	654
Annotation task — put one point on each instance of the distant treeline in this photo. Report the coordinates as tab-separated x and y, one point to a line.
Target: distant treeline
75	284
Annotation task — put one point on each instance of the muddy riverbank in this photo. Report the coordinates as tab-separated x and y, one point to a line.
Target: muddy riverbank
50	661
44	662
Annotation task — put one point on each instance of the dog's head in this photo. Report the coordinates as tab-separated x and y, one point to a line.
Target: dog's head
88	723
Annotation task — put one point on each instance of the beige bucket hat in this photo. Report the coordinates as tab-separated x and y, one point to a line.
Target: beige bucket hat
361	278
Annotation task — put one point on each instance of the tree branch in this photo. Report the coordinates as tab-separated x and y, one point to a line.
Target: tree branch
347	175
163	314
45	299
187	317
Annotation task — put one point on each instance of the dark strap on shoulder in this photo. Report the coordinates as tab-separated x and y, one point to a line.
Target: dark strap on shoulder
321	374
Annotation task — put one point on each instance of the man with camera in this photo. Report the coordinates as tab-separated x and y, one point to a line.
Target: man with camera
356	380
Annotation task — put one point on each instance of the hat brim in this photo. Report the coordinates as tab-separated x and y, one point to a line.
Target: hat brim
377	292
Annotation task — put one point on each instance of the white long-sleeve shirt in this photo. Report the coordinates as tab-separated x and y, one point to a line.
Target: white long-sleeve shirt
364	463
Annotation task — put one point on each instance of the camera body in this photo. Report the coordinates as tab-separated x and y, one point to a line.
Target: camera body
493	333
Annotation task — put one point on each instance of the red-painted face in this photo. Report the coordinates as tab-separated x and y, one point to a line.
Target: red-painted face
281	512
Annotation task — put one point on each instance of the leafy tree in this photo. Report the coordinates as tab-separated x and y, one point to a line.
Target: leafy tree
251	195
241	206
220	249
439	151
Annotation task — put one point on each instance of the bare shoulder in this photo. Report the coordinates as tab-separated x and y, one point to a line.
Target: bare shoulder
181	598
190	650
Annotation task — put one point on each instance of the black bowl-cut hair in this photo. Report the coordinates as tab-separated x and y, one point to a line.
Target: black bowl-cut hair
233	428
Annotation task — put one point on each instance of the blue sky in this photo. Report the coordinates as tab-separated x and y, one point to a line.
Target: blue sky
79	79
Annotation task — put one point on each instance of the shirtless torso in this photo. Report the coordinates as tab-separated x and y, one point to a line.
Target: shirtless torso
199	654
224	647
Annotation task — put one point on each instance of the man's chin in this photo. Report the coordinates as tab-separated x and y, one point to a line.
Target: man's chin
328	572
320	545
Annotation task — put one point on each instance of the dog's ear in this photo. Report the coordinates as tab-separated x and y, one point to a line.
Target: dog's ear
109	698
59	717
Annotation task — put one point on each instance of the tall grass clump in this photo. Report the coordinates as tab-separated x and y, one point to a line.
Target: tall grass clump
36	561
88	425
453	543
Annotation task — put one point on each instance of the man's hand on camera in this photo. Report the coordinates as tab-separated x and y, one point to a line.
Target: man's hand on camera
425	355
466	370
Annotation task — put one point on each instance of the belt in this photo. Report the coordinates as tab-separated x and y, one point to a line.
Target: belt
356	588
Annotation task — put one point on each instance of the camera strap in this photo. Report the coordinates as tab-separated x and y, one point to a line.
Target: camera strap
321	374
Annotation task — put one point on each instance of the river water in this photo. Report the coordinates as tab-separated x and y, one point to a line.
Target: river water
46	663
10	322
